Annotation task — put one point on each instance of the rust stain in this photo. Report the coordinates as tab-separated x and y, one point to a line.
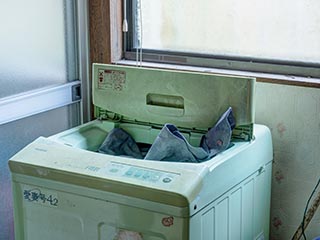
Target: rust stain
279	176
281	129
276	222
167	221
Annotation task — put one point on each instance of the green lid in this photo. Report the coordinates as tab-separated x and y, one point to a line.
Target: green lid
190	100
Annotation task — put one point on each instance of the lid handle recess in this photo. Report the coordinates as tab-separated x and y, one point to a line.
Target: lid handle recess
166	105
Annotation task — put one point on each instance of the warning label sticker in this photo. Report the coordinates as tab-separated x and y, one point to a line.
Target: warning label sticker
111	80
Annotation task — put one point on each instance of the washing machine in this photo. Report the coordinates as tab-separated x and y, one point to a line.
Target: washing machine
64	189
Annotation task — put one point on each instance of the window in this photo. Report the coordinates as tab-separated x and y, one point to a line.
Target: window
266	36
37	45
42	63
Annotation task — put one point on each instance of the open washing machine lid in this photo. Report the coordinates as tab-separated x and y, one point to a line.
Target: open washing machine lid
190	100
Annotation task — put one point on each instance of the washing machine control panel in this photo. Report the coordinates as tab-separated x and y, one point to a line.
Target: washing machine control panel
141	173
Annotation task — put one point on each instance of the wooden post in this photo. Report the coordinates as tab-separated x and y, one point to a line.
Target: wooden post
99	22
105	32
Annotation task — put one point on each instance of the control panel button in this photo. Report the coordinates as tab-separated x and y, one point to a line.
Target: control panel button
129	173
146	176
166	180
138	174
114	170
154	178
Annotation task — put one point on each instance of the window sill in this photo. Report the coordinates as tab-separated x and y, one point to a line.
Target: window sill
261	77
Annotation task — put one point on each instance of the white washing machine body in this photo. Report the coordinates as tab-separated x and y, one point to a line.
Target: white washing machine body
64	189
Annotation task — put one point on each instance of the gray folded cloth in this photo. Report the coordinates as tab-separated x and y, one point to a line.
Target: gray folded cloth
120	143
218	138
171	145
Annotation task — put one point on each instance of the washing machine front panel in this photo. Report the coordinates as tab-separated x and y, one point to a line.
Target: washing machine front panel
46	213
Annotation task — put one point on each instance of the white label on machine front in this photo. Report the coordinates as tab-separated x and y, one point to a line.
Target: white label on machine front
140	173
39	195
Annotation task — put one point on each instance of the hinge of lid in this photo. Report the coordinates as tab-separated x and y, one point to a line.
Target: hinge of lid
103	114
243	132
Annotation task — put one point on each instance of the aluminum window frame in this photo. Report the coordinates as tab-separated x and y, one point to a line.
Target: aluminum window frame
52	97
258	65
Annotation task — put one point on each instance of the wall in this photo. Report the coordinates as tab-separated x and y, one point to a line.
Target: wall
292	113
16	135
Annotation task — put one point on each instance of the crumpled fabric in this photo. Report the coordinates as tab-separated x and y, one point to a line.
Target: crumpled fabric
120	143
170	145
218	138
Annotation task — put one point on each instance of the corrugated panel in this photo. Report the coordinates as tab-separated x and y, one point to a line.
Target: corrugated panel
242	213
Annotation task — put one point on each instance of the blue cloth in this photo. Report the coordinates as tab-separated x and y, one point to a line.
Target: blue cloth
171	145
218	138
120	143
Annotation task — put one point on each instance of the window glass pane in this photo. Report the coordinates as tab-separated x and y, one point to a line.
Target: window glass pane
283	30
36	45
21	133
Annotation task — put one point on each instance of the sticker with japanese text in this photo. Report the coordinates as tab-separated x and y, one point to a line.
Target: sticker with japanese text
40	196
111	80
